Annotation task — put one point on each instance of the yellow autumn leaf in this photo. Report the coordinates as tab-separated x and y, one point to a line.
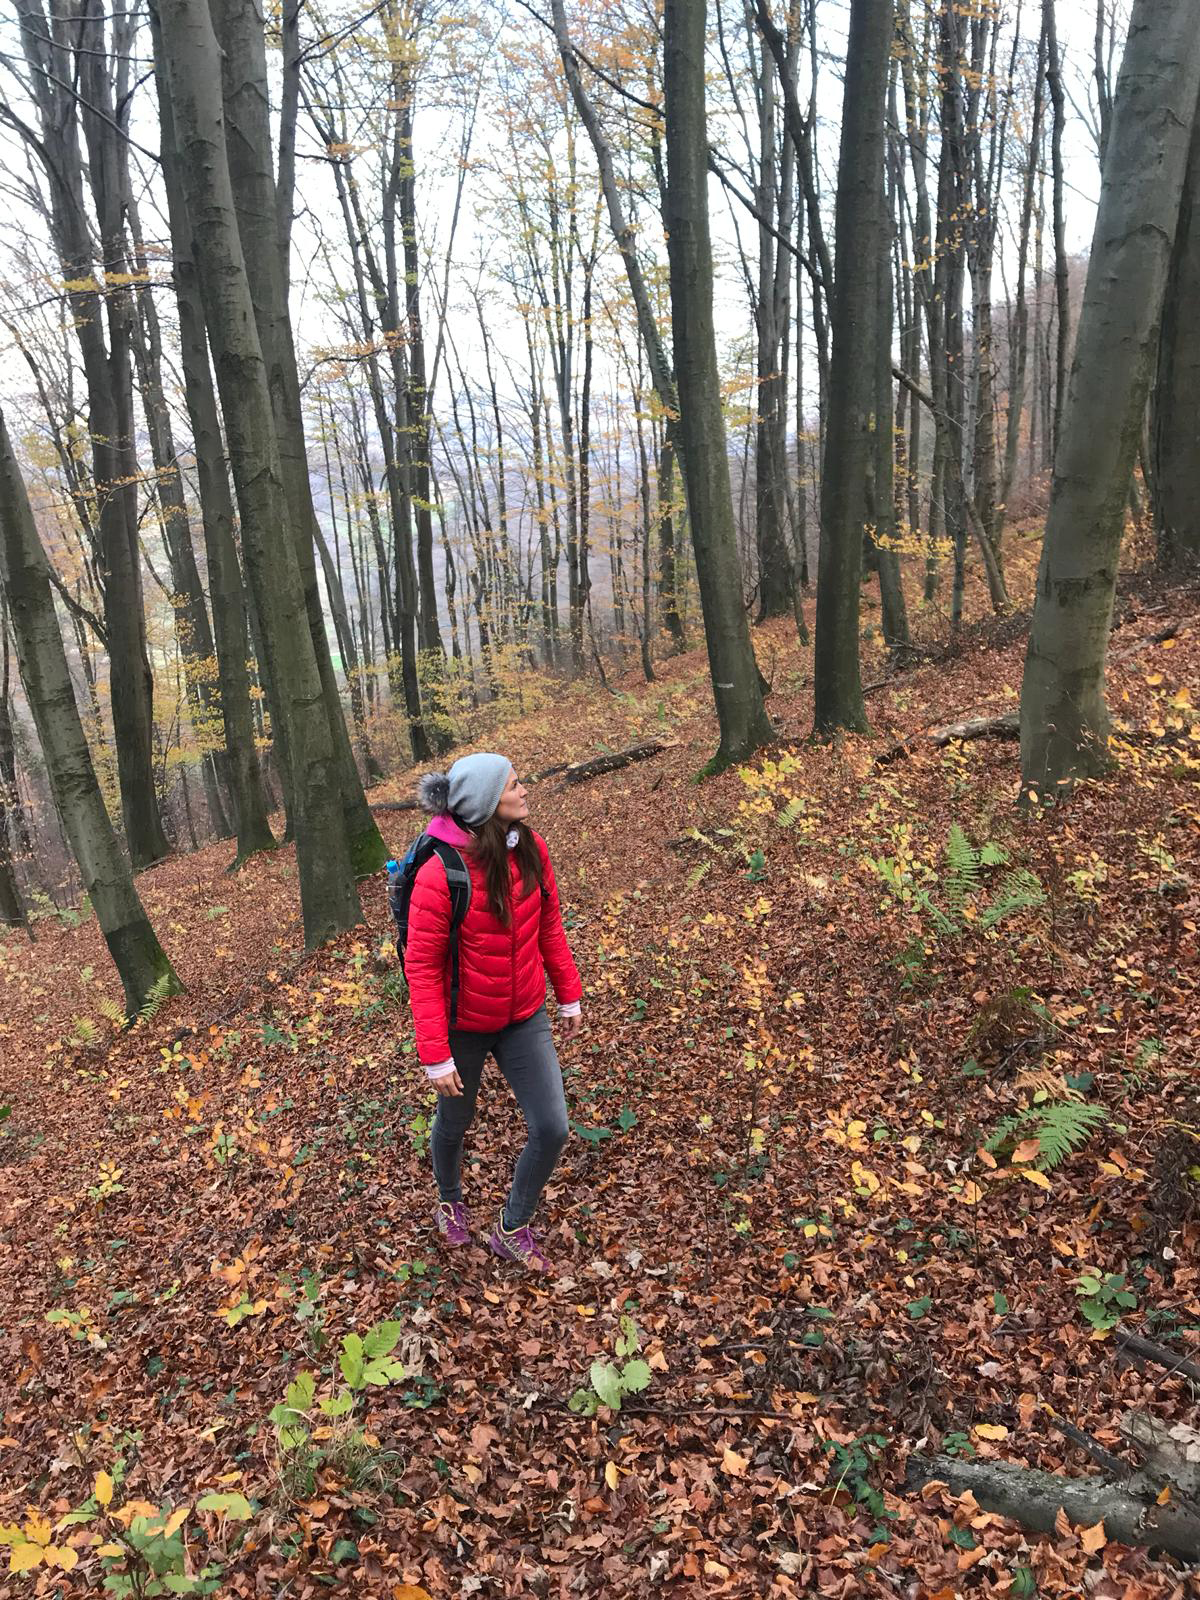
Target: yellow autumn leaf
103	1489
1038	1179
990	1430
112	1548
37	1527
62	1556
24	1557
972	1194
175	1521
734	1464
611	1476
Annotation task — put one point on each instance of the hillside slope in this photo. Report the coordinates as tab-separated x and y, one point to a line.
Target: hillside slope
811	1005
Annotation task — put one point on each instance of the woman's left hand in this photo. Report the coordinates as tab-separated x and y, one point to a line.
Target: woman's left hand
570	1025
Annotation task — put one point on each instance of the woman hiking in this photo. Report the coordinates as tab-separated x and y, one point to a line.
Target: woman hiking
511	936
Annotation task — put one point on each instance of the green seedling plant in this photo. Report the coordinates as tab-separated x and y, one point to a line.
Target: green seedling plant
1104	1299
610	1384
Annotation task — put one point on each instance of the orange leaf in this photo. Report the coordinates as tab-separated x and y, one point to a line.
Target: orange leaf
734	1464
410	1591
1062	1524
1093	1538
1027	1150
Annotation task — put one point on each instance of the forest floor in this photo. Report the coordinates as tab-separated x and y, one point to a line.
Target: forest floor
805	1023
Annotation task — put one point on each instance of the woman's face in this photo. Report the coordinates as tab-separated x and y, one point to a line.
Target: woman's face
514	806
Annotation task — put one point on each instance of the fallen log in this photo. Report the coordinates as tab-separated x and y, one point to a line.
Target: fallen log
1006	726
1138	1345
581	771
1034	1499
570	772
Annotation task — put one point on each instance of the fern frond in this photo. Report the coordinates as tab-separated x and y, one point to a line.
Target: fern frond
1060	1128
112	1012
1019	890
790	814
962	869
160	990
695	875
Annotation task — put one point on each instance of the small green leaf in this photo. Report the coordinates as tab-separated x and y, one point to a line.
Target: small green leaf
635	1376
234	1506
1000	1304
918	1308
607	1384
351	1360
344	1550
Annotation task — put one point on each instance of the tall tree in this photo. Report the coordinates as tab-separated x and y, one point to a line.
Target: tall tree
1177	391
230	627
25	574
854	368
737	685
239	27
64	51
192	59
1064	717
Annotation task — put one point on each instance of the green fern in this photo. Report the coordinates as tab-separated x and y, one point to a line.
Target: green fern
85	1030
1019	891
965	862
1060	1128
111	1012
160	990
695	875
790	814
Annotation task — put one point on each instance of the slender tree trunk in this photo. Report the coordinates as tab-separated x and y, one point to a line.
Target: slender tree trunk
189	48
239	28
1176	411
1062	286
1064	718
217	516
737	686
24	570
853	388
891	587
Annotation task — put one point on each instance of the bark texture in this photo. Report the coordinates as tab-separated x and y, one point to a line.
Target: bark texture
1064	717
737	687
107	880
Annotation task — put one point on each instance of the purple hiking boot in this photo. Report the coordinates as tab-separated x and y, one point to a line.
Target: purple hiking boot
519	1246
451	1220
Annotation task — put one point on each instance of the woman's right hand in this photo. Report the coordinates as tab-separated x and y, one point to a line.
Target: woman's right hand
449	1085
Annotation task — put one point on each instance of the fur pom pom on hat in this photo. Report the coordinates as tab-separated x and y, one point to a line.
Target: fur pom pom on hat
471	790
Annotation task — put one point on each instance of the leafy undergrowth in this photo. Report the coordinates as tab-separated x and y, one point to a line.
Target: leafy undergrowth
885	1112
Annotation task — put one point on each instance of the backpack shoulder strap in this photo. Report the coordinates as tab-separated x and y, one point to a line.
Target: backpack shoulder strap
458	881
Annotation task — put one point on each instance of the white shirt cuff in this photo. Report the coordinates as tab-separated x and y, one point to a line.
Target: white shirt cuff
572	1008
442	1069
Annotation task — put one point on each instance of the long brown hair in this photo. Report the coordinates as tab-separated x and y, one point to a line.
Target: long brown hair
490	845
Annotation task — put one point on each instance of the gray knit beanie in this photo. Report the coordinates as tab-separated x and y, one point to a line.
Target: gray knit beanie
471	789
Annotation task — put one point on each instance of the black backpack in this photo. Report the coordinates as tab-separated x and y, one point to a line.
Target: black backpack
401	877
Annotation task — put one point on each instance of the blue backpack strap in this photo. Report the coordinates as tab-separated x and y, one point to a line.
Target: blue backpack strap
458	881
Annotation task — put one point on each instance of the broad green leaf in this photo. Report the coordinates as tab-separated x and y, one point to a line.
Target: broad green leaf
607	1384
384	1372
382	1338
351	1360
635	1376
300	1391
234	1506
339	1405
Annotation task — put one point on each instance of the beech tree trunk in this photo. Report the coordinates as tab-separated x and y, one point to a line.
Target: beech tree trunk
192	58
25	572
1176	421
737	686
232	639
1064	718
239	26
837	684
55	63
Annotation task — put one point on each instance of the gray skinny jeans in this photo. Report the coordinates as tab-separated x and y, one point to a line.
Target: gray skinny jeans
525	1054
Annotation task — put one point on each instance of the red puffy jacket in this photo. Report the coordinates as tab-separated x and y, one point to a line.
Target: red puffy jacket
501	971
